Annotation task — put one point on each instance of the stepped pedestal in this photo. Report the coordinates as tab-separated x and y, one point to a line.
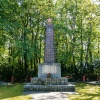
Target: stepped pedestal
49	84
49	79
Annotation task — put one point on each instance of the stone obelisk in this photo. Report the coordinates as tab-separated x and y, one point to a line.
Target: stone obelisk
49	52
49	66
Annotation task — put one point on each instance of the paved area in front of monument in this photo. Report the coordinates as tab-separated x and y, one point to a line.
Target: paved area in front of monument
49	95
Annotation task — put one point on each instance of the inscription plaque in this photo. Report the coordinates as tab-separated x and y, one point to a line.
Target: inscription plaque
53	68
49	69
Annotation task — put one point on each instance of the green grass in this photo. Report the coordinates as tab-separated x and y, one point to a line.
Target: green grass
86	92
13	92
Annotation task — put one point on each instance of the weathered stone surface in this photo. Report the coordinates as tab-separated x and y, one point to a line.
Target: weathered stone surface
49	52
67	88
48	84
53	68
49	81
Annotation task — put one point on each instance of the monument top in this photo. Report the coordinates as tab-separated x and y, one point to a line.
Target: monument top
49	21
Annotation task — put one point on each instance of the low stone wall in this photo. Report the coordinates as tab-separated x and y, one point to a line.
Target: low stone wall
68	88
49	81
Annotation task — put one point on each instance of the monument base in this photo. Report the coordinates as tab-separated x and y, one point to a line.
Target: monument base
49	84
65	88
51	69
49	79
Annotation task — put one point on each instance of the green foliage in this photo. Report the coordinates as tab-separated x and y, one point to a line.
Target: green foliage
22	28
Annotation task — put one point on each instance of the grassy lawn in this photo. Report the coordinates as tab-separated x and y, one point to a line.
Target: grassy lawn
85	92
13	92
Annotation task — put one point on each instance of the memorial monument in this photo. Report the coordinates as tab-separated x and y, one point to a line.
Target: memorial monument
49	73
49	66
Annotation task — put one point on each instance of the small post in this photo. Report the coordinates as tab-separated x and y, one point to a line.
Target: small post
12	79
30	78
84	78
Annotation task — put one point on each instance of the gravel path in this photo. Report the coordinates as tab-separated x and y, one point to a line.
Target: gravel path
50	96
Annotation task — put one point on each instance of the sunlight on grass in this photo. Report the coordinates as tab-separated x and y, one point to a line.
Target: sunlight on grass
11	92
24	97
86	92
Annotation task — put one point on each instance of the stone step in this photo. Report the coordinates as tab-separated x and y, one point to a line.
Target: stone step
67	88
45	81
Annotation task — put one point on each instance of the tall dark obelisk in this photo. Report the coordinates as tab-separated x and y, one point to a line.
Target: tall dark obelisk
49	52
49	66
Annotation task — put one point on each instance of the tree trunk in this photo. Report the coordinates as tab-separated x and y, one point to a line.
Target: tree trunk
25	54
81	37
90	50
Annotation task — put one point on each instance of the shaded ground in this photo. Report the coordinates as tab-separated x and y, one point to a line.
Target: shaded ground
94	82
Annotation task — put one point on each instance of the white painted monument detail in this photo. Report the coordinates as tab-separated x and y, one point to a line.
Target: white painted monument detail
49	69
52	68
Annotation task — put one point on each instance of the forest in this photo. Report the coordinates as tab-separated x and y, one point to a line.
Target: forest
76	35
